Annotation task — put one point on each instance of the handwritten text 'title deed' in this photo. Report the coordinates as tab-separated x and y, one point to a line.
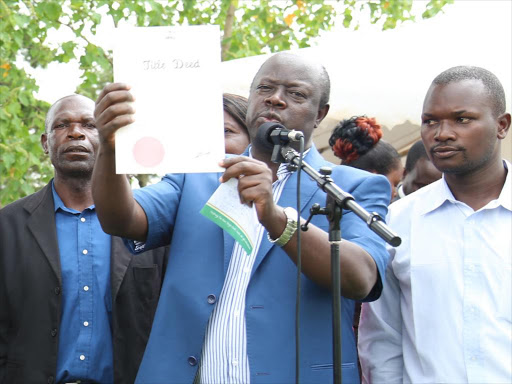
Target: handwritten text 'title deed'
161	65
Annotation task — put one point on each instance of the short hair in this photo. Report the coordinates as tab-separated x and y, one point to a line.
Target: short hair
357	142
49	114
324	83
416	152
491	83
236	106
382	158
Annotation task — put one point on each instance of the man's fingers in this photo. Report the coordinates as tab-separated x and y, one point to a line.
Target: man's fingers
113	112
229	161
111	88
112	99
119	122
241	166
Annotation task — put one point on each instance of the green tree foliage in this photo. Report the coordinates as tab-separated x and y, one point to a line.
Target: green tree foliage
249	28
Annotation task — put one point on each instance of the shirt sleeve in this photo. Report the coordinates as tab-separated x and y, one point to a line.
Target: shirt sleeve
160	202
380	334
372	193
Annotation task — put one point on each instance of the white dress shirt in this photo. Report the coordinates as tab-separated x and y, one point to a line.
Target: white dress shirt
445	311
224	358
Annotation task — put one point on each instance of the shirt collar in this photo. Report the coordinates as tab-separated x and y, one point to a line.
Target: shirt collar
440	193
505	198
400	191
59	204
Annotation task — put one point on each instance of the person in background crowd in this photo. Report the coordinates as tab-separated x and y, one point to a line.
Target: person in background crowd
75	305
419	171
236	136
357	142
225	315
445	312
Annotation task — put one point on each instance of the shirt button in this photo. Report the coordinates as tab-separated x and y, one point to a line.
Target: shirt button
247	270
57	290
86	323
211	299
235	363
86	288
82	357
54	332
84	251
82	219
236	313
192	360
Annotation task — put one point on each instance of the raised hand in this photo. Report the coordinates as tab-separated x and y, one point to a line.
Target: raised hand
114	110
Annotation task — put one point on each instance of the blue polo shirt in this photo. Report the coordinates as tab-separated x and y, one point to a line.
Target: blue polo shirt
85	336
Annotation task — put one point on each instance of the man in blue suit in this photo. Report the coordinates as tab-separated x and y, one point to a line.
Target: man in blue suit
226	316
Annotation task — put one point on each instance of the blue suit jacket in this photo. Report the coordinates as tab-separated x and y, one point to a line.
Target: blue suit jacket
199	258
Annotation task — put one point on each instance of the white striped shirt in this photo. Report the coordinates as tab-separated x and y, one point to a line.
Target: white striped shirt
224	358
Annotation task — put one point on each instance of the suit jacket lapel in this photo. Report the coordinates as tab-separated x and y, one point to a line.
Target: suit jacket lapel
120	258
41	223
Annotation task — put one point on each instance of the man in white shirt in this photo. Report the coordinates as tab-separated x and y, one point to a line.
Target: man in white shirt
445	311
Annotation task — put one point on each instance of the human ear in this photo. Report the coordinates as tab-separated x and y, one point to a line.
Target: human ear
44	142
503	125
322	112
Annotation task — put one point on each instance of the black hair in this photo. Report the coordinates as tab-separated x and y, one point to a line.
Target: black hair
416	152
382	158
357	142
236	106
490	81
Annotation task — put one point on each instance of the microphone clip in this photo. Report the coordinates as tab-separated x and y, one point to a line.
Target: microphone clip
280	137
277	156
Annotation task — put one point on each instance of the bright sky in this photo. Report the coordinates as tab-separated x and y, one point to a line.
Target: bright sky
374	72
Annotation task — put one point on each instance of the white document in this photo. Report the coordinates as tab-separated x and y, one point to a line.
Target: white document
174	73
239	220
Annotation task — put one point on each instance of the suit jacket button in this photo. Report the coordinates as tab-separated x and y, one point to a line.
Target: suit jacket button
54	332
50	380
57	290
192	360
212	299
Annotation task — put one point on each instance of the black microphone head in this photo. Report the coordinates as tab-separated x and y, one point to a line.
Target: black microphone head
262	139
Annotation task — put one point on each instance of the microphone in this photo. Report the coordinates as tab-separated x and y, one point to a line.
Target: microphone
272	133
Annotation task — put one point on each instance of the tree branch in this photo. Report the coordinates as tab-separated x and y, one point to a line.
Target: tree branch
228	29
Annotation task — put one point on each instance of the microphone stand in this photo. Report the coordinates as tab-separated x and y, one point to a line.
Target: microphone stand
337	199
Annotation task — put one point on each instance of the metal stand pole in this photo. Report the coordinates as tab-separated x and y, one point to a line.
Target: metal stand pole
334	213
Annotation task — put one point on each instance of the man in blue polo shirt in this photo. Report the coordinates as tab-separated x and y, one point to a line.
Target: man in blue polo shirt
226	316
